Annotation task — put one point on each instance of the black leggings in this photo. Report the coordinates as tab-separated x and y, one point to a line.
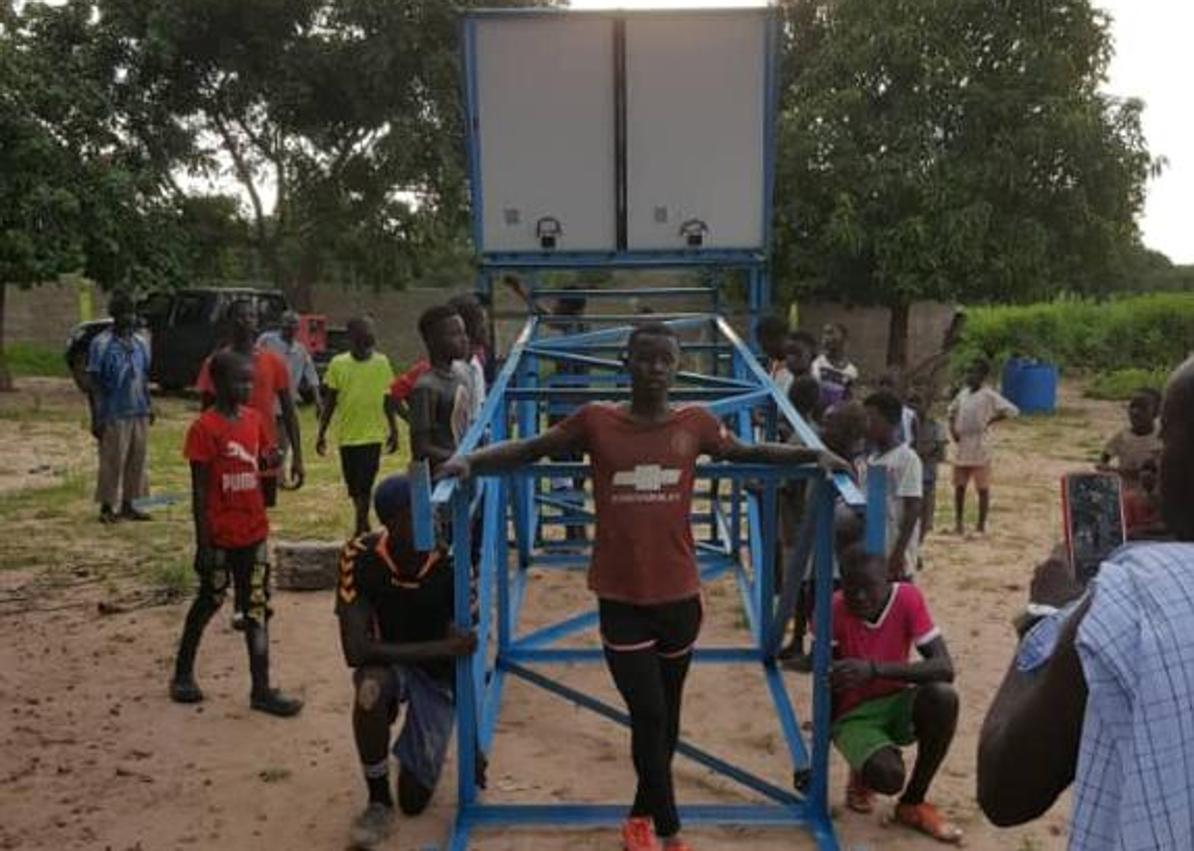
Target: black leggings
648	650
247	570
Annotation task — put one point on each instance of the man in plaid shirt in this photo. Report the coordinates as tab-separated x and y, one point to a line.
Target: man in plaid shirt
1101	692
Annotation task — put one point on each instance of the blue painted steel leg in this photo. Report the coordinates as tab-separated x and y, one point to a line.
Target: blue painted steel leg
466	696
876	510
823	600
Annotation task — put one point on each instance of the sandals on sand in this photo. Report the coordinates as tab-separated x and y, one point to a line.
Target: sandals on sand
927	819
859	798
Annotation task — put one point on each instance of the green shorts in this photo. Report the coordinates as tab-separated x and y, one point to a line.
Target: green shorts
874	725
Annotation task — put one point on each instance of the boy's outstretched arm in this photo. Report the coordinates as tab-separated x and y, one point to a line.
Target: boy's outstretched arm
780	454
508	455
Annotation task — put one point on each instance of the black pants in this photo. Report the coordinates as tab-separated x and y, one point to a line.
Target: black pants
648	650
246	569
360	464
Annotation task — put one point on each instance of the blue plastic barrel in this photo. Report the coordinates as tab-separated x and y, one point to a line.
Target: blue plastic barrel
1010	379
1038	388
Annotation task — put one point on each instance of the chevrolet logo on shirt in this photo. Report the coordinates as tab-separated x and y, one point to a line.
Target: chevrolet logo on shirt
647	477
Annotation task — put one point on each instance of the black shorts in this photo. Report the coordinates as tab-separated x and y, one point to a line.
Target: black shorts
246	569
359	464
670	629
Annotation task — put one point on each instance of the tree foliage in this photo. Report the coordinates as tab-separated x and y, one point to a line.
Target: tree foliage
345	113
72	196
958	150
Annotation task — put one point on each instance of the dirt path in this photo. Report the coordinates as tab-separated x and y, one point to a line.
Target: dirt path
93	755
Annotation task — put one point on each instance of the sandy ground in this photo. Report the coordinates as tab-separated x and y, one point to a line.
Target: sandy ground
41	430
94	756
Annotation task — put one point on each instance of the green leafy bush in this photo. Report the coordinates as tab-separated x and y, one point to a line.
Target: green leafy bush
1149	332
1120	384
25	359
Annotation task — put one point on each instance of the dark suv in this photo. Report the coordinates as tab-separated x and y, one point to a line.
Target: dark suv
185	326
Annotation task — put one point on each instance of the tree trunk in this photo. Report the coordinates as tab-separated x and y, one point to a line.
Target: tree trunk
897	336
300	286
6	385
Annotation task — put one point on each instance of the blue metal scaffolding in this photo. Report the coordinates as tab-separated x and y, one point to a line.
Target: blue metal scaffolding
736	532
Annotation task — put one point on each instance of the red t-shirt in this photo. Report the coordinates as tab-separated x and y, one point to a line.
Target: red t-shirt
232	450
270	376
404	385
642	482
904	623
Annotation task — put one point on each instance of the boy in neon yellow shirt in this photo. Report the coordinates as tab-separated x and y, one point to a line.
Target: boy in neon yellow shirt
358	383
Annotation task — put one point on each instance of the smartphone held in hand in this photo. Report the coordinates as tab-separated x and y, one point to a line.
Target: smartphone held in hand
1093	513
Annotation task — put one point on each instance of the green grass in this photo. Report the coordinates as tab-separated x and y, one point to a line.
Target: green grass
54	527
174	578
28	359
1120	384
1148	332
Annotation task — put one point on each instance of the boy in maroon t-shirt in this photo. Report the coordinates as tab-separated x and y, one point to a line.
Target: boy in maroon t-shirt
644	569
882	701
227	446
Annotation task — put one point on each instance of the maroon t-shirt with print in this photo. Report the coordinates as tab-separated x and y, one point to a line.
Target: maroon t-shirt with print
642	483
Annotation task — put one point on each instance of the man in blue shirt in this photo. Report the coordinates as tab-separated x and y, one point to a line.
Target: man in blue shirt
284	344
1100	691
118	375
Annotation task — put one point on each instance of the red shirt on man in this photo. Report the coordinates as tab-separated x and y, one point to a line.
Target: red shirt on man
903	623
643	474
404	384
270	376
232	450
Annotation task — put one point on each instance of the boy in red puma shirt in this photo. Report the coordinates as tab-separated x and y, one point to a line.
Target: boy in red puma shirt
227	446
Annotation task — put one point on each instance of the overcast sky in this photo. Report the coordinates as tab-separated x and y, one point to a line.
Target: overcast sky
1154	61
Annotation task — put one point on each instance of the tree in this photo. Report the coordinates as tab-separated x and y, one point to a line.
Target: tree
73	196
38	240
346	112
956	150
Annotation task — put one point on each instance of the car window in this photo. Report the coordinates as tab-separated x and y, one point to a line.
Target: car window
191	309
270	309
156	308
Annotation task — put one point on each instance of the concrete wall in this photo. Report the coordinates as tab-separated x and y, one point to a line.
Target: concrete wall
868	330
44	314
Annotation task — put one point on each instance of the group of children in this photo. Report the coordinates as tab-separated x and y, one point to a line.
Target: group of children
881	700
395	603
233	450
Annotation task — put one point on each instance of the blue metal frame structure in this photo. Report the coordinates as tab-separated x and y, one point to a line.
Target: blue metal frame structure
738	537
735	527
